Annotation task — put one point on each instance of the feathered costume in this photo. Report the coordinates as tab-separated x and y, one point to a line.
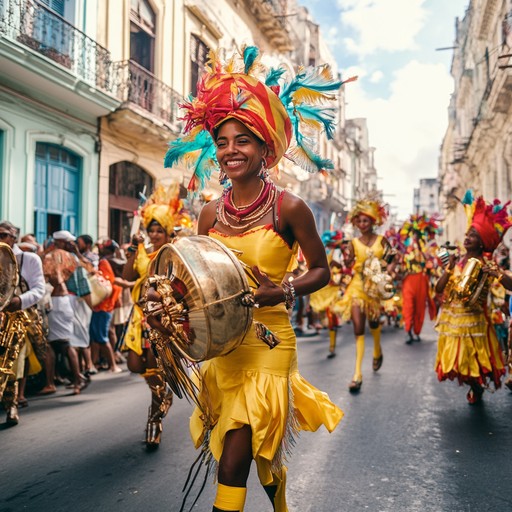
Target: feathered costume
468	349
251	385
417	233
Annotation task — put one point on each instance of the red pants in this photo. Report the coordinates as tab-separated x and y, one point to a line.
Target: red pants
415	298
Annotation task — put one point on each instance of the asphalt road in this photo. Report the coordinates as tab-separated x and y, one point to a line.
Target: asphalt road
407	443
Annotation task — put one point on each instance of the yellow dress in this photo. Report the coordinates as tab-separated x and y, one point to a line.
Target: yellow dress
354	294
133	339
468	349
324	298
256	386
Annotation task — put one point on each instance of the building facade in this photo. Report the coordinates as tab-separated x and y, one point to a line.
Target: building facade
89	101
477	148
426	197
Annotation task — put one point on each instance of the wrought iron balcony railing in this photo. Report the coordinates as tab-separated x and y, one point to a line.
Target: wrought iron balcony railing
47	33
137	85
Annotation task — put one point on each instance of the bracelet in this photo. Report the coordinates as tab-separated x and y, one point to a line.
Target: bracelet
500	277
132	248
289	295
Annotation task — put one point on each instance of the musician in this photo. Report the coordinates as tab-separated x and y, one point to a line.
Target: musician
160	214
30	290
356	305
257	396
468	349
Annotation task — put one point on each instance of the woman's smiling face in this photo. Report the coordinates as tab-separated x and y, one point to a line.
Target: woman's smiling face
239	152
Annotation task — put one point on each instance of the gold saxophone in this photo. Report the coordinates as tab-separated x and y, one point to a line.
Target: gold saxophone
13	326
467	289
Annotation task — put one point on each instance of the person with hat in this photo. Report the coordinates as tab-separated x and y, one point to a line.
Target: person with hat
161	213
468	349
322	300
241	127
29	291
356	304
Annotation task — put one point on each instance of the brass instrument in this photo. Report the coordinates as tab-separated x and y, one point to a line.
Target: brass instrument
377	284
12	325
468	288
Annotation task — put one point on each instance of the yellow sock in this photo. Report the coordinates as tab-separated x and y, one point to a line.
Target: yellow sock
332	340
230	498
358	375
377	351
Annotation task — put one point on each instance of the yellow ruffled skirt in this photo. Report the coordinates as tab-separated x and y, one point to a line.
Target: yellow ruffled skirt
468	349
263	388
324	298
355	296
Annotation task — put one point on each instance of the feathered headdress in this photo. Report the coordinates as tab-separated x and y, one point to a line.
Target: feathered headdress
490	220
419	228
372	206
286	119
165	207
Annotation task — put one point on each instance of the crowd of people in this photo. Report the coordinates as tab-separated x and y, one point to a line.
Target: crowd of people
80	306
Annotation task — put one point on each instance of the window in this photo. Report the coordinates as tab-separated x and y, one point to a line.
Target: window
198	57
55	5
142	34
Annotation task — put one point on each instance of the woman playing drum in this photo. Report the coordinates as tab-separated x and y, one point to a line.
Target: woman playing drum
161	213
258	398
468	349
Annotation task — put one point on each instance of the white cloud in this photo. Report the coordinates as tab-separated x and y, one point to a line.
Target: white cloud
376	77
406	128
389	25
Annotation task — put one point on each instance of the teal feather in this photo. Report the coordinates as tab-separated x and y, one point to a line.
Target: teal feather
304	156
250	55
323	115
468	198
311	79
273	76
205	163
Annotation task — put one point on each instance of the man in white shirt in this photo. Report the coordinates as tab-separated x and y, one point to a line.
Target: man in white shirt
30	290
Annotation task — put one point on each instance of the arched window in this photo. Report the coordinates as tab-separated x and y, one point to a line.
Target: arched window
126	181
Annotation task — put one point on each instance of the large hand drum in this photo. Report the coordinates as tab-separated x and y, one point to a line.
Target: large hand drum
207	302
8	275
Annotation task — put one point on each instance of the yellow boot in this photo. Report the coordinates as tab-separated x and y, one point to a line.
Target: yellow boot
332	343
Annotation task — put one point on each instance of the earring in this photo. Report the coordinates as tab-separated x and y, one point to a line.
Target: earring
223	177
263	173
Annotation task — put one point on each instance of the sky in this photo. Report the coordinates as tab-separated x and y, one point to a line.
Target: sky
404	83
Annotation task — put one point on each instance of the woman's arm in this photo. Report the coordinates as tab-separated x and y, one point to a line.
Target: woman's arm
129	272
298	223
443	280
206	218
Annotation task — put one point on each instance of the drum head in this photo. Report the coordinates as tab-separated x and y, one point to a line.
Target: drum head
8	275
210	282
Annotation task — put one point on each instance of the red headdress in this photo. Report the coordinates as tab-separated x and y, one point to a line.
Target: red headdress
491	221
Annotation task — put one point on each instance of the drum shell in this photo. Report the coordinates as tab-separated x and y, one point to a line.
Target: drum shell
215	282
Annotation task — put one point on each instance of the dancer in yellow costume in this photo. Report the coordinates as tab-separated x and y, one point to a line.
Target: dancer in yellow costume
322	300
356	305
468	349
258	397
161	214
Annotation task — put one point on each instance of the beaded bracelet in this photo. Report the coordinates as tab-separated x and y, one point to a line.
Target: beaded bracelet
289	295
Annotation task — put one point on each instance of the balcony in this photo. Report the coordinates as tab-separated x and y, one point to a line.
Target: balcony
270	18
39	50
136	86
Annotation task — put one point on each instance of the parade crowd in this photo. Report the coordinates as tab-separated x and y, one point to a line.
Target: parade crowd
81	306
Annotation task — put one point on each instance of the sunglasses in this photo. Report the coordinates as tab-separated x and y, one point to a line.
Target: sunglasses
5	235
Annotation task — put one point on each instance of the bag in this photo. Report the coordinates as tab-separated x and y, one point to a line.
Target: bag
101	288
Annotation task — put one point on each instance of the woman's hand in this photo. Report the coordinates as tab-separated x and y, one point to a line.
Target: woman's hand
268	293
137	239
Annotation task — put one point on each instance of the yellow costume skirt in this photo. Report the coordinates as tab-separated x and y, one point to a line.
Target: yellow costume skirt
324	298
263	388
355	296
468	349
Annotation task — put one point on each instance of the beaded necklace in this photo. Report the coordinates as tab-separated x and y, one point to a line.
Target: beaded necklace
242	217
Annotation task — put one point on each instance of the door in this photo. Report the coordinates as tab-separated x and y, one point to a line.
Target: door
56	190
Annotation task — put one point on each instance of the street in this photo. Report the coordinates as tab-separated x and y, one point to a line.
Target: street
407	443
